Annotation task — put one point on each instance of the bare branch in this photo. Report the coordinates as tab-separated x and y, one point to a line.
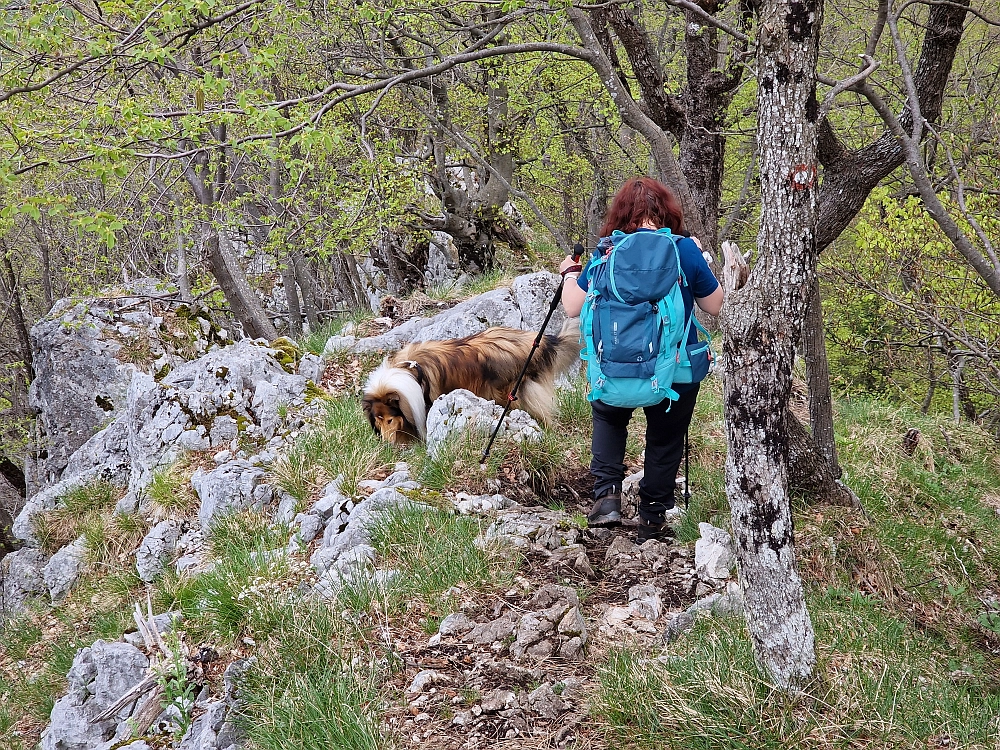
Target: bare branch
847	84
709	19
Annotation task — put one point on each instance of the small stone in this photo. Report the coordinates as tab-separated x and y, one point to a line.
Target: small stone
456	624
423	680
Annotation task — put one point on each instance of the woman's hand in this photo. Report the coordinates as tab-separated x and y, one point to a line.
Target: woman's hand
567	262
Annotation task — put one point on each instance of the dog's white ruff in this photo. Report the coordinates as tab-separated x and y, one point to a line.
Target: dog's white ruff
409	390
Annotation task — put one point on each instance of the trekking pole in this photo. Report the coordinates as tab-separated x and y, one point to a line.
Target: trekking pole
512	396
687	483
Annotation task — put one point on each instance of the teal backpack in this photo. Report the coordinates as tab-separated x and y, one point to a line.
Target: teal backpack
633	324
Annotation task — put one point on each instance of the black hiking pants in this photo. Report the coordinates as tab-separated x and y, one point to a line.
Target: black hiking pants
665	430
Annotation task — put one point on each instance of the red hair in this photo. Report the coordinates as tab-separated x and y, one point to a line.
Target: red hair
641	199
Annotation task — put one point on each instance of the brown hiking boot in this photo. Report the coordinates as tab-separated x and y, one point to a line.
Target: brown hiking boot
645	531
607	511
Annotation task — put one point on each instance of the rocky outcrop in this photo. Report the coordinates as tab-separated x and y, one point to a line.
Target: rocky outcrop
521	306
100	675
235	485
344	555
85	352
158	549
457	412
64	568
21	578
206	404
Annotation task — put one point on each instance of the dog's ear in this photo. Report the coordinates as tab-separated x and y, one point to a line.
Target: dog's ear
367	405
391	399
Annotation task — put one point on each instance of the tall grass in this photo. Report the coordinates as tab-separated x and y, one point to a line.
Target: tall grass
170	488
313	686
879	684
81	507
340	442
234	597
435	550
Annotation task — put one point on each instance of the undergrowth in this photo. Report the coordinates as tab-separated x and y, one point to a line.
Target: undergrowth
340	442
879	684
902	596
435	552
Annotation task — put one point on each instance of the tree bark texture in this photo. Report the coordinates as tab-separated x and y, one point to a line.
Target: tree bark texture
224	266
763	321
16	312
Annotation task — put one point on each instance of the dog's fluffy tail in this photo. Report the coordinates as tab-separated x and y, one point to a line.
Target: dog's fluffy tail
556	354
568	346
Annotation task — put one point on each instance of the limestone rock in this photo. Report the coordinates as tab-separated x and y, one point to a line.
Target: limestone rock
713	553
64	568
494	631
644	601
533	294
524	528
311	367
460	410
544	702
443	265
236	485
203	734
336	344
494	308
455	624
79	381
480	504
100	674
424	679
522	306
555	626
157	549
21	578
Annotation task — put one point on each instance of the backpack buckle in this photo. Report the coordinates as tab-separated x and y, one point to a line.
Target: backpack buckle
656	386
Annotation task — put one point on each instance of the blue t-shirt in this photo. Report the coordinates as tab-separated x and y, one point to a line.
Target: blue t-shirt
701	281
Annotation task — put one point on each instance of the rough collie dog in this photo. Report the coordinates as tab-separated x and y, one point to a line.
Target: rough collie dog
401	390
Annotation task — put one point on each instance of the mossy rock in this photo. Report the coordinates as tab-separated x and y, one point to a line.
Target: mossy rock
314	392
287	352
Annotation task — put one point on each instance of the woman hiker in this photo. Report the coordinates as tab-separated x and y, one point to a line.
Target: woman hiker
644	205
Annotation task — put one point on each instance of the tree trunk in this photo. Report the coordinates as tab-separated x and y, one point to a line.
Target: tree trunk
183	279
762	322
242	300
43	246
818	379
16	313
305	281
292	298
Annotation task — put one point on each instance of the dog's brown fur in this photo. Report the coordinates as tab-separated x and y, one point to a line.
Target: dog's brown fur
401	390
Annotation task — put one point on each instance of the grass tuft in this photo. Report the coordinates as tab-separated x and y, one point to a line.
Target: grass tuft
434	551
310	686
341	442
170	489
81	509
237	595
